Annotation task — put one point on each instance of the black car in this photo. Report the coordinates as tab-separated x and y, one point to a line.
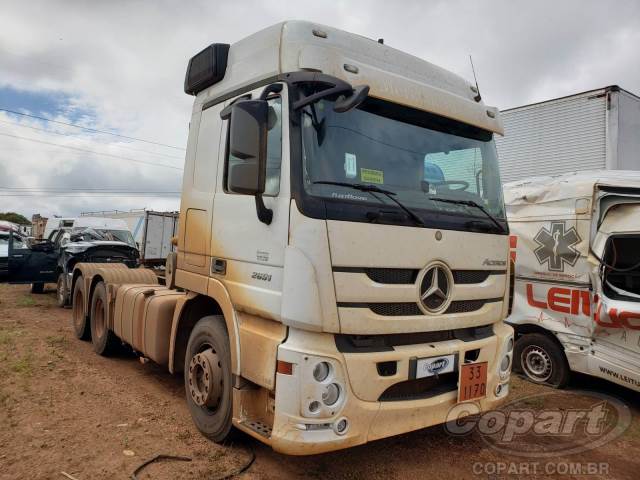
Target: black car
53	259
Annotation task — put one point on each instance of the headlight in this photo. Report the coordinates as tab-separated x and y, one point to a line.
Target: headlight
506	363
330	394
321	371
510	344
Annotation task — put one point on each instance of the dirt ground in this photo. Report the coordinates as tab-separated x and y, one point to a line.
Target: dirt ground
65	409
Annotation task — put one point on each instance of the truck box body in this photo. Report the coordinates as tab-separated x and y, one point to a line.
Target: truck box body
577	269
594	130
152	230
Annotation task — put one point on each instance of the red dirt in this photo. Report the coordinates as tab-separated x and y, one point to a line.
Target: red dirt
63	408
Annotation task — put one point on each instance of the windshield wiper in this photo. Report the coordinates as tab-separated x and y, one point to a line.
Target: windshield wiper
471	203
373	189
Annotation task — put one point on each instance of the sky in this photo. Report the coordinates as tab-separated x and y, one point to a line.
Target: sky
118	67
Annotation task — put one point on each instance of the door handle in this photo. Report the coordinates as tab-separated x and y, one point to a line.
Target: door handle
16	256
219	266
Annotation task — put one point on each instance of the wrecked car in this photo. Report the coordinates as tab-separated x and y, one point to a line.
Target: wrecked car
89	240
575	252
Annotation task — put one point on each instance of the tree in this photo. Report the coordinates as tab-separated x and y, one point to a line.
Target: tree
15	218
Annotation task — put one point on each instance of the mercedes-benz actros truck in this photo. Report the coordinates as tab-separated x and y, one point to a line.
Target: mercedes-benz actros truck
342	270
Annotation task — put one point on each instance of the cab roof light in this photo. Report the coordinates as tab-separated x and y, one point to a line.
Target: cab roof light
206	68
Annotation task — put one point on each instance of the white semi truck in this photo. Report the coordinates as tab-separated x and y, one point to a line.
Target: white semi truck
576	246
341	273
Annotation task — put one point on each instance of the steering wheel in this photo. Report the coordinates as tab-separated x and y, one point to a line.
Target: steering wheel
463	185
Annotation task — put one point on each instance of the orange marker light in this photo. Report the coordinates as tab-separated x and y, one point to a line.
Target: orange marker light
285	368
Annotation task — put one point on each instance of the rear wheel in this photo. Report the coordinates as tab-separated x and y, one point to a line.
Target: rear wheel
541	360
37	287
80	324
104	340
208	379
61	291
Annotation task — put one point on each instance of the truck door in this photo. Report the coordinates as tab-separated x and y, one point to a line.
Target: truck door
31	264
247	254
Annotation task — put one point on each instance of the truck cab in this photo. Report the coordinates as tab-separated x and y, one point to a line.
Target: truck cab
341	273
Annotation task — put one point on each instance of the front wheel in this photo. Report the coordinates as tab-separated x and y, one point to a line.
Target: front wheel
541	360
208	379
61	291
80	324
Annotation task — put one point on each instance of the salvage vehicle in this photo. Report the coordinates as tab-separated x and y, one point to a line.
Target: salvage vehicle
6	228
576	247
53	259
341	273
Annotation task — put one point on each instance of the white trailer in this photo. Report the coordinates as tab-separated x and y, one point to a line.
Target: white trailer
151	230
594	130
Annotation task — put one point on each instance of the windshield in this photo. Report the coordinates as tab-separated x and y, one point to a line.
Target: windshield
89	234
417	155
17	241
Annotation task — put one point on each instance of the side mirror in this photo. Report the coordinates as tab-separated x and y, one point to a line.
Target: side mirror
248	144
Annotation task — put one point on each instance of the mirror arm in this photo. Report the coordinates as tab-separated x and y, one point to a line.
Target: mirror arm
273	88
344	88
265	215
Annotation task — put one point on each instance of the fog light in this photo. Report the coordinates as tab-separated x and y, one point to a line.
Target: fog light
505	364
341	426
501	389
314	406
331	394
321	371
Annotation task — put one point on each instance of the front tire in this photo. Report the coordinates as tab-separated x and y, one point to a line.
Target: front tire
61	291
104	340
541	360
37	287
208	378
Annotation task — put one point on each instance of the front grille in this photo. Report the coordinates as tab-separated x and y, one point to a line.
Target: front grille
421	388
407	276
464	277
464	306
407	309
395	309
394	276
386	342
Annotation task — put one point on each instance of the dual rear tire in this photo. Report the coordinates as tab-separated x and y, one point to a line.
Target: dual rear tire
95	326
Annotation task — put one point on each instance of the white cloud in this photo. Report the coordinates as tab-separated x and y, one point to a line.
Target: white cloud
125	62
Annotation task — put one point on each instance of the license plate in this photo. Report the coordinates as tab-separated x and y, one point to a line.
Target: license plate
473	381
428	367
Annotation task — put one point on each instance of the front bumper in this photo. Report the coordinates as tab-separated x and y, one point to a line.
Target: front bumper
299	431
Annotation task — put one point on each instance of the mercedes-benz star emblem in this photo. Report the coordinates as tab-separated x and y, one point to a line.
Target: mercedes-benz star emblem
435	288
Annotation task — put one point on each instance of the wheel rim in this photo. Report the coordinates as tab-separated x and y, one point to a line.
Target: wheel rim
78	310
99	318
537	363
206	380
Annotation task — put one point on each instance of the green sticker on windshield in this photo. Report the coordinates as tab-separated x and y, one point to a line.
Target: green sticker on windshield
371	176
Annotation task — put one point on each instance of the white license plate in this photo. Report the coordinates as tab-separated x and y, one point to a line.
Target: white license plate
427	367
